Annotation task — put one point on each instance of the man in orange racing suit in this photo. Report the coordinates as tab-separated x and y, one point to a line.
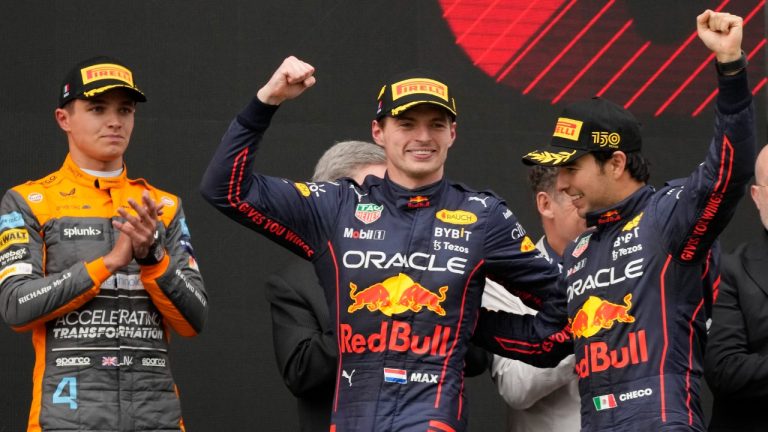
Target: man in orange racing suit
99	267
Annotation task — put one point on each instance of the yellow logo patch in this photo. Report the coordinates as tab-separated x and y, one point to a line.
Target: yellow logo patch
106	71
456	217
527	244
303	189
13	236
419	86
568	128
633	223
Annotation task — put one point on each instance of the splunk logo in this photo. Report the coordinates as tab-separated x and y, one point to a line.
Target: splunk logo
77	232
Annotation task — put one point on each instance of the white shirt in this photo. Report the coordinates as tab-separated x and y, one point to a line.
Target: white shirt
538	399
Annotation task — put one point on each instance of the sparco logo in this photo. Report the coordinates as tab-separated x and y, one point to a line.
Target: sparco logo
153	362
75	232
73	361
364	234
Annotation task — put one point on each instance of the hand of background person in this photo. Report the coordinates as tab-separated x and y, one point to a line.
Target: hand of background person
141	227
721	32
290	80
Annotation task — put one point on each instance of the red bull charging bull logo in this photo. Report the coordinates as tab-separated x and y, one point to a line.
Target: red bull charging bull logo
597	314
395	295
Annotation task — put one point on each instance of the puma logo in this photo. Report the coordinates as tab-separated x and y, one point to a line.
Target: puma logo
480	200
348	376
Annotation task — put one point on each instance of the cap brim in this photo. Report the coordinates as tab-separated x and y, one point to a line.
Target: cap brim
402	108
137	95
553	156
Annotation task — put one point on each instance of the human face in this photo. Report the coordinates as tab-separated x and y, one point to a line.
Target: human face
567	222
98	129
587	185
416	144
759	190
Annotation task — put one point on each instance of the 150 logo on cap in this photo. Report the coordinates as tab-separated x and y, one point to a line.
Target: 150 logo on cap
568	128
419	85
106	71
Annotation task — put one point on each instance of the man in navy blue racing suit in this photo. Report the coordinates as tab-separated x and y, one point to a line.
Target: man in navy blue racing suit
637	282
402	260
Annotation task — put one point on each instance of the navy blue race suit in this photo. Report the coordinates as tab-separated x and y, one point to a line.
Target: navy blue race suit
403	273
638	284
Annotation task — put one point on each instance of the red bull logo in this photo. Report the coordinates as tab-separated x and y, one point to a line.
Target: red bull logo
418	202
599	357
395	295
609	216
395	336
597	314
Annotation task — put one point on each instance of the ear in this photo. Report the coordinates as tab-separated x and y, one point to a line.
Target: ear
62	118
377	132
544	205
754	191
618	164
453	134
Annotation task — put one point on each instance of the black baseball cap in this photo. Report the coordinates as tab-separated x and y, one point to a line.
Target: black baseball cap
97	75
412	88
592	125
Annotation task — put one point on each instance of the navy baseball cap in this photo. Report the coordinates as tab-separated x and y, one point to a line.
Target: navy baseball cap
96	75
592	125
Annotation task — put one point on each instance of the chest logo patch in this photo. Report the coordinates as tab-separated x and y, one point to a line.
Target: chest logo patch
581	246
633	223
395	295
456	217
368	213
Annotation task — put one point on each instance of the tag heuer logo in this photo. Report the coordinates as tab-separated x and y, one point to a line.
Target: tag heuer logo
368	213
582	246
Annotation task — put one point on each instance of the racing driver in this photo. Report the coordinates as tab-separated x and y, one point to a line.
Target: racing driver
402	260
637	282
99	267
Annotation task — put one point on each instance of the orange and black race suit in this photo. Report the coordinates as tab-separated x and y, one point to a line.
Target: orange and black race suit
403	273
638	284
100	339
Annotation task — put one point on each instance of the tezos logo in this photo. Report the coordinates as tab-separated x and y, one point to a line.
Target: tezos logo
76	232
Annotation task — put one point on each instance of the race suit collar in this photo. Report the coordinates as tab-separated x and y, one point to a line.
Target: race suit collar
620	211
411	199
72	171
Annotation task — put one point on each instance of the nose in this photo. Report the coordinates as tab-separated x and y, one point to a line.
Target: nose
421	133
114	120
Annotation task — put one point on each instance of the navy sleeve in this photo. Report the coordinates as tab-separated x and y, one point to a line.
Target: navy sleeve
296	215
695	213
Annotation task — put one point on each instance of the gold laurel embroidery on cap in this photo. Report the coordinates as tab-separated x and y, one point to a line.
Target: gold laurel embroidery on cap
551	158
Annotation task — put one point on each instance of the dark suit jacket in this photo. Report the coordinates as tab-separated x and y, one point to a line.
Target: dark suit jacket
736	362
305	344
